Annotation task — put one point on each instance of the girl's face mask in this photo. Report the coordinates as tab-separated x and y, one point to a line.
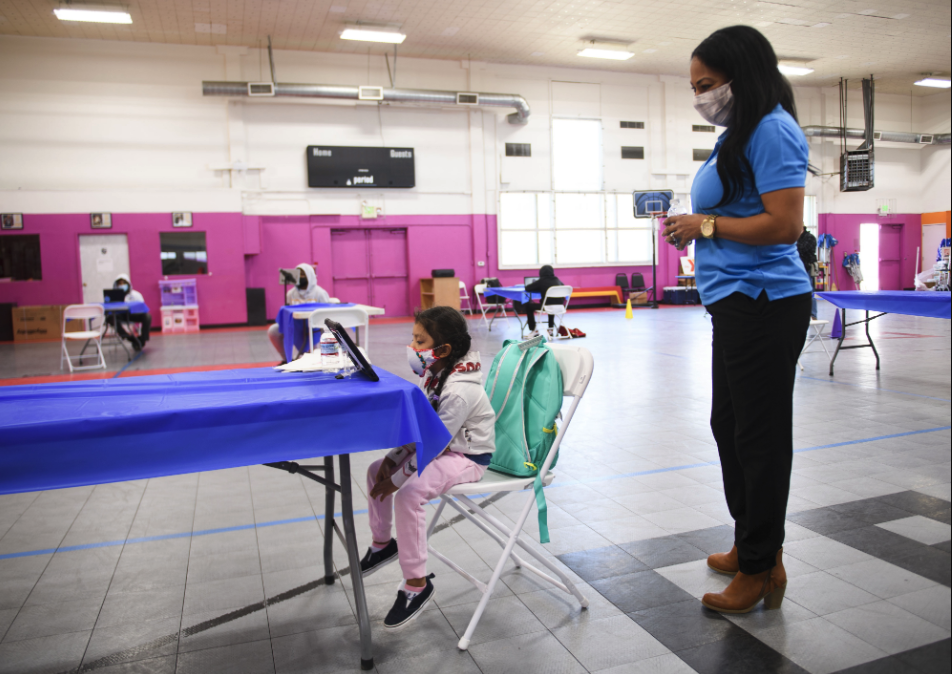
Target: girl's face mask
715	105
420	361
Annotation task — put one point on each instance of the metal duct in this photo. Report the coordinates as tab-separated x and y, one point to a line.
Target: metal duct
887	136
418	96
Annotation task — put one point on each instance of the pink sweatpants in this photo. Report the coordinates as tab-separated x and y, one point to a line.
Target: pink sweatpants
446	471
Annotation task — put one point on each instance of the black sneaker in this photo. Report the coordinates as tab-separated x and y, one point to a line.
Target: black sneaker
404	611
373	561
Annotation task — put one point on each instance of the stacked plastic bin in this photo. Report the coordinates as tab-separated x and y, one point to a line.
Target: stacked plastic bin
179	306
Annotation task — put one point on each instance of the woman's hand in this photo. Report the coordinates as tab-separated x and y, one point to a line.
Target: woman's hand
682	228
385	470
382	489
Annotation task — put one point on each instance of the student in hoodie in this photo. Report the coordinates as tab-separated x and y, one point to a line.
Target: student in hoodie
123	282
547	279
450	375
305	292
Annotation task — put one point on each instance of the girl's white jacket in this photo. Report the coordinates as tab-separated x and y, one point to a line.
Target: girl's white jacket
464	409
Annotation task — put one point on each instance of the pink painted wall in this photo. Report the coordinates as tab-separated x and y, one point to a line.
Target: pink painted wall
221	293
845	229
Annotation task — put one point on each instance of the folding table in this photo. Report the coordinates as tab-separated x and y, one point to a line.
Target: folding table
928	304
515	294
79	433
121	311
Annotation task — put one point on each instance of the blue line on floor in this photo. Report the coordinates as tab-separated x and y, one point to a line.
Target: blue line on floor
313	518
134	359
874	388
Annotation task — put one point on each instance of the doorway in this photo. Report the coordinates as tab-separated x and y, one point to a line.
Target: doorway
932	236
102	257
869	255
370	267
890	258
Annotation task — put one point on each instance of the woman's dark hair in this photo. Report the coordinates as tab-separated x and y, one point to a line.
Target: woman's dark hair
446	325
746	58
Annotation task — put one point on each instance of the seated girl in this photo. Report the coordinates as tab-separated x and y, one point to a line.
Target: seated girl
450	374
307	291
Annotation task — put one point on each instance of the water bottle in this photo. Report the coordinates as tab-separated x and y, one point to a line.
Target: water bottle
330	350
677	208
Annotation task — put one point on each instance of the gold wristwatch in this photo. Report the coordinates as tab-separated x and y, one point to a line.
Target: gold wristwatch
709	226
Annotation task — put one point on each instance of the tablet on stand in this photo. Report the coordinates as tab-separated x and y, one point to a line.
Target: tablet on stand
347	344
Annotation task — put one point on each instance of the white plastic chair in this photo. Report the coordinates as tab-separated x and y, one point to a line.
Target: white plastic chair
817	327
94	320
577	364
464	296
557	310
348	317
495	309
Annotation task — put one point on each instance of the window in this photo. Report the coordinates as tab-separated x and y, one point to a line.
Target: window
629	152
576	155
702	128
810	218
20	257
183	253
570	230
518	150
632	125
702	155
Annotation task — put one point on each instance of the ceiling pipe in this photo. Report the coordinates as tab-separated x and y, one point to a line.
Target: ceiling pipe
341	92
886	136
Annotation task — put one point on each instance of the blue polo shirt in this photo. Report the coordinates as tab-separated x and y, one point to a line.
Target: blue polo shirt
778	153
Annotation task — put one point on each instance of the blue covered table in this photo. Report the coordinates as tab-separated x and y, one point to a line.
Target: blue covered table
122	312
295	331
515	294
91	432
926	304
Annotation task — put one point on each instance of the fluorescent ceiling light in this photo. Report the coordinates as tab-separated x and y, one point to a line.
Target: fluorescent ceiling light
612	54
93	15
373	35
794	71
932	82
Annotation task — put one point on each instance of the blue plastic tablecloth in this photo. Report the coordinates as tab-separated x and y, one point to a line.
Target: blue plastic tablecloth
514	293
131	307
295	332
109	430
928	304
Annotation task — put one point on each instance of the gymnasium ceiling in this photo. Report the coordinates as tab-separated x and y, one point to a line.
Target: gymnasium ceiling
895	40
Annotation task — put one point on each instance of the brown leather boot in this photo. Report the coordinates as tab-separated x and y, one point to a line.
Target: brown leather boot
724	562
745	592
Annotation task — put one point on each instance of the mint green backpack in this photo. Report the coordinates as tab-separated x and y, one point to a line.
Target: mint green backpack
525	389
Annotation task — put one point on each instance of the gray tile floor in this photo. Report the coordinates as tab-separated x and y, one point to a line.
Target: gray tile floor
220	572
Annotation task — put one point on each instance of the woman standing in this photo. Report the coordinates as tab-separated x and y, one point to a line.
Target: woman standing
749	196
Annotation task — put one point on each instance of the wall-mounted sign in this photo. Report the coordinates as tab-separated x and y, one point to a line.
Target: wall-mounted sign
100	220
181	219
11	221
356	167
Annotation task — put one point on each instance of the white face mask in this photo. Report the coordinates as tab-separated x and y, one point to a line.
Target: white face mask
715	105
420	361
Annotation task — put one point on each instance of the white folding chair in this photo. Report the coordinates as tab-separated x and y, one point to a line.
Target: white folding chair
94	322
815	334
480	289
464	297
576	363
348	317
557	310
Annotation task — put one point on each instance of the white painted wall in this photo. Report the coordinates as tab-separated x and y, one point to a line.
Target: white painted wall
89	125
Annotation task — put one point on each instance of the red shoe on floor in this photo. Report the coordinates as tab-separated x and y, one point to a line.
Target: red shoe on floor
564	332
575	332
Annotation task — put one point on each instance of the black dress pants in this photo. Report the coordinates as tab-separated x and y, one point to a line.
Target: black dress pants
755	350
529	309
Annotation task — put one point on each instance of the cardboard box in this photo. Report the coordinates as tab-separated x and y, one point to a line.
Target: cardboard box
41	323
640	297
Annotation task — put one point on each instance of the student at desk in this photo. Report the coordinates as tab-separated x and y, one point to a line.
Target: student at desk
123	282
547	279
450	375
305	292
